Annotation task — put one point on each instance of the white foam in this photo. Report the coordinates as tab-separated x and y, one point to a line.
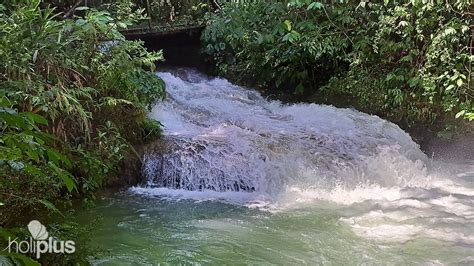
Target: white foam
241	198
381	228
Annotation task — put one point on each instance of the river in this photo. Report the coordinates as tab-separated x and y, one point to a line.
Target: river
245	180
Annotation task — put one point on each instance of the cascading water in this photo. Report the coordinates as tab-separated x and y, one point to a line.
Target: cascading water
242	179
226	138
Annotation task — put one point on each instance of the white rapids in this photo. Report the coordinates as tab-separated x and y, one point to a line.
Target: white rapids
229	143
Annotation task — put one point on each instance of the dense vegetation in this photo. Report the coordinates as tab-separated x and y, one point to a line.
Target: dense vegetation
169	12
73	100
409	61
74	92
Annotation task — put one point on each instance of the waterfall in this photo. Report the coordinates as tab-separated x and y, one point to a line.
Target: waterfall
226	142
223	137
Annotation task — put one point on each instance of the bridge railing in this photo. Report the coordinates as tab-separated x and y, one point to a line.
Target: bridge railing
171	14
164	12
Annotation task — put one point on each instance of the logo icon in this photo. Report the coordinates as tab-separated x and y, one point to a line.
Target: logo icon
37	230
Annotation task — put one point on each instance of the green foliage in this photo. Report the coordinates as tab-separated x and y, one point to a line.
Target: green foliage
73	95
178	12
27	154
279	45
410	61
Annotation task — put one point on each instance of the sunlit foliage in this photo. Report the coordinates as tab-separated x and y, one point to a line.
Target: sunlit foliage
73	96
410	61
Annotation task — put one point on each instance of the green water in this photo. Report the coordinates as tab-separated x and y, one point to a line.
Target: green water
135	229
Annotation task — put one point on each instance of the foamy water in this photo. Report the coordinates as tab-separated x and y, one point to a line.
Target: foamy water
229	144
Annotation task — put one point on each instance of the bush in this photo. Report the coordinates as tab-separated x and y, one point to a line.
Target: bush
73	96
409	61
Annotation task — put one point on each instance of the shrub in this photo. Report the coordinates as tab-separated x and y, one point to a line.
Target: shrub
74	95
410	61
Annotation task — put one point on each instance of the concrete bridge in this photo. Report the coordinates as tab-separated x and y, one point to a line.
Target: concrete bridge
178	39
180	43
153	31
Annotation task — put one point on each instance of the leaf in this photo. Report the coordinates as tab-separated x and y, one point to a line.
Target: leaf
299	89
36	118
60	34
17	166
122	25
407	58
50	206
470	116
33	154
287	24
35	55
67	179
33	170
13	120
413	82
461	113
65	176
81	22
459	82
19	259
317	5
389	76
449	31
403	23
57	157
5	233
82	8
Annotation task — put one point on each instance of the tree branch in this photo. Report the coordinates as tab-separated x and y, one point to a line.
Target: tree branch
214	5
70	13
